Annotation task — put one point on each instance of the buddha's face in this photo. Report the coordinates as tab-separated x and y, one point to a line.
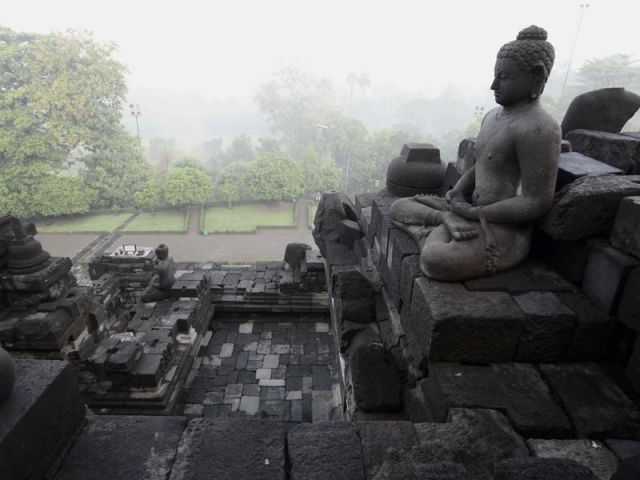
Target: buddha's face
511	85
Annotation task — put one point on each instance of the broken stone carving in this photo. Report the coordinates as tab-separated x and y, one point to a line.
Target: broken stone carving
484	223
295	255
418	170
604	110
7	374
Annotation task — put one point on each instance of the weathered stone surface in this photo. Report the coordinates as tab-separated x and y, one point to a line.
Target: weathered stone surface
418	170
465	157
124	447
400	246
325	450
605	276
409	270
629	307
623	449
574	165
332	209
588	206
398	466
620	151
605	110
590	453
449	323
40	419
633	367
7	374
379	436
547	329
478	439
451	177
629	469
533	275
516	389
376	382
597	407
595	334
231	449
626	227
543	469
355	295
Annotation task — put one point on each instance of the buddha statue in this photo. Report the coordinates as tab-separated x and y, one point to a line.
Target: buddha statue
160	286
483	225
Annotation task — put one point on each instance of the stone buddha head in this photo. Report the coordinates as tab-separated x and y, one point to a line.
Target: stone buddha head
523	67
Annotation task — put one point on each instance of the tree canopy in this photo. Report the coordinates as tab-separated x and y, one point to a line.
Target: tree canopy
274	177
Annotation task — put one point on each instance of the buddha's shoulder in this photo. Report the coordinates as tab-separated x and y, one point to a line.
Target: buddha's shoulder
536	118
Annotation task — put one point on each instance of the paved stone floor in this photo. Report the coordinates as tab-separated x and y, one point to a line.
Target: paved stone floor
269	365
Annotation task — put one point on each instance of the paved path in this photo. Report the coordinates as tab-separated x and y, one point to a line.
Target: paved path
265	245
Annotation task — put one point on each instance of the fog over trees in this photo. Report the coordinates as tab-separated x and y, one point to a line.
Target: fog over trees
69	145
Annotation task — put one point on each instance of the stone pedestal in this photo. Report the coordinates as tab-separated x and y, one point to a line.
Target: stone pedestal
39	420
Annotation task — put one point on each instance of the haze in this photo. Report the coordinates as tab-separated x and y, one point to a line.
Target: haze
188	58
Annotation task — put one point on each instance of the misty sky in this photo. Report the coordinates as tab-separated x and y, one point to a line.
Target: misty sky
188	60
227	48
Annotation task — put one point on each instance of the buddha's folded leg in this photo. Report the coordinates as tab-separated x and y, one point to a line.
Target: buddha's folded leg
409	211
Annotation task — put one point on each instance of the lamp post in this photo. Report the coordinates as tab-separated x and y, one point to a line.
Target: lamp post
135	112
583	7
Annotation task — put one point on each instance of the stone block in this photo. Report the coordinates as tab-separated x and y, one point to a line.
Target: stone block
547	329
623	449
123	358
400	246
633	367
451	177
629	469
588	206
597	407
325	450
595	334
409	270
231	449
626	227
124	447
476	438
449	323
542	468
532	275
574	165
514	388
40	419
399	467
364	200
378	436
605	276
376	382
620	151
148	372
592	454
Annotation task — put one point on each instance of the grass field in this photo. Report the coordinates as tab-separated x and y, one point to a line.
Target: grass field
168	221
247	218
90	223
313	206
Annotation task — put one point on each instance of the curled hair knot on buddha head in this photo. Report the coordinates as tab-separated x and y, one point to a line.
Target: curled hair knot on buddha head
531	51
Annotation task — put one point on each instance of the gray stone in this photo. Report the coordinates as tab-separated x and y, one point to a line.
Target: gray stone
626	227
417	170
7	374
398	466
588	206
124	447
514	388
597	407
478	439
592	454
595	334
547	329
40	419
620	151
231	449
379	436
332	209
449	323
629	469
633	367
605	275
326	450
376	382
623	448
355	295
409	270
574	165
542	469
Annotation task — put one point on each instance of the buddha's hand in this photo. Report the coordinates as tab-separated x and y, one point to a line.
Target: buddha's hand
465	210
459	228
454	195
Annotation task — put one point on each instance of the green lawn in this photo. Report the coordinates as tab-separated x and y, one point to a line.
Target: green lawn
246	218
168	221
90	223
313	206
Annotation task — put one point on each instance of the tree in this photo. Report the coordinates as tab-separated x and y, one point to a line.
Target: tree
267	145
613	71
319	175
274	177
58	94
58	195
213	154
150	196
230	183
186	186
163	152
240	150
189	162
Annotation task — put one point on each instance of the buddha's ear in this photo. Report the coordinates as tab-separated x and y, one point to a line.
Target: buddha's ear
540	76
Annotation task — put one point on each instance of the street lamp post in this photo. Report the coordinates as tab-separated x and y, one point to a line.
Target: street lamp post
135	112
583	7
